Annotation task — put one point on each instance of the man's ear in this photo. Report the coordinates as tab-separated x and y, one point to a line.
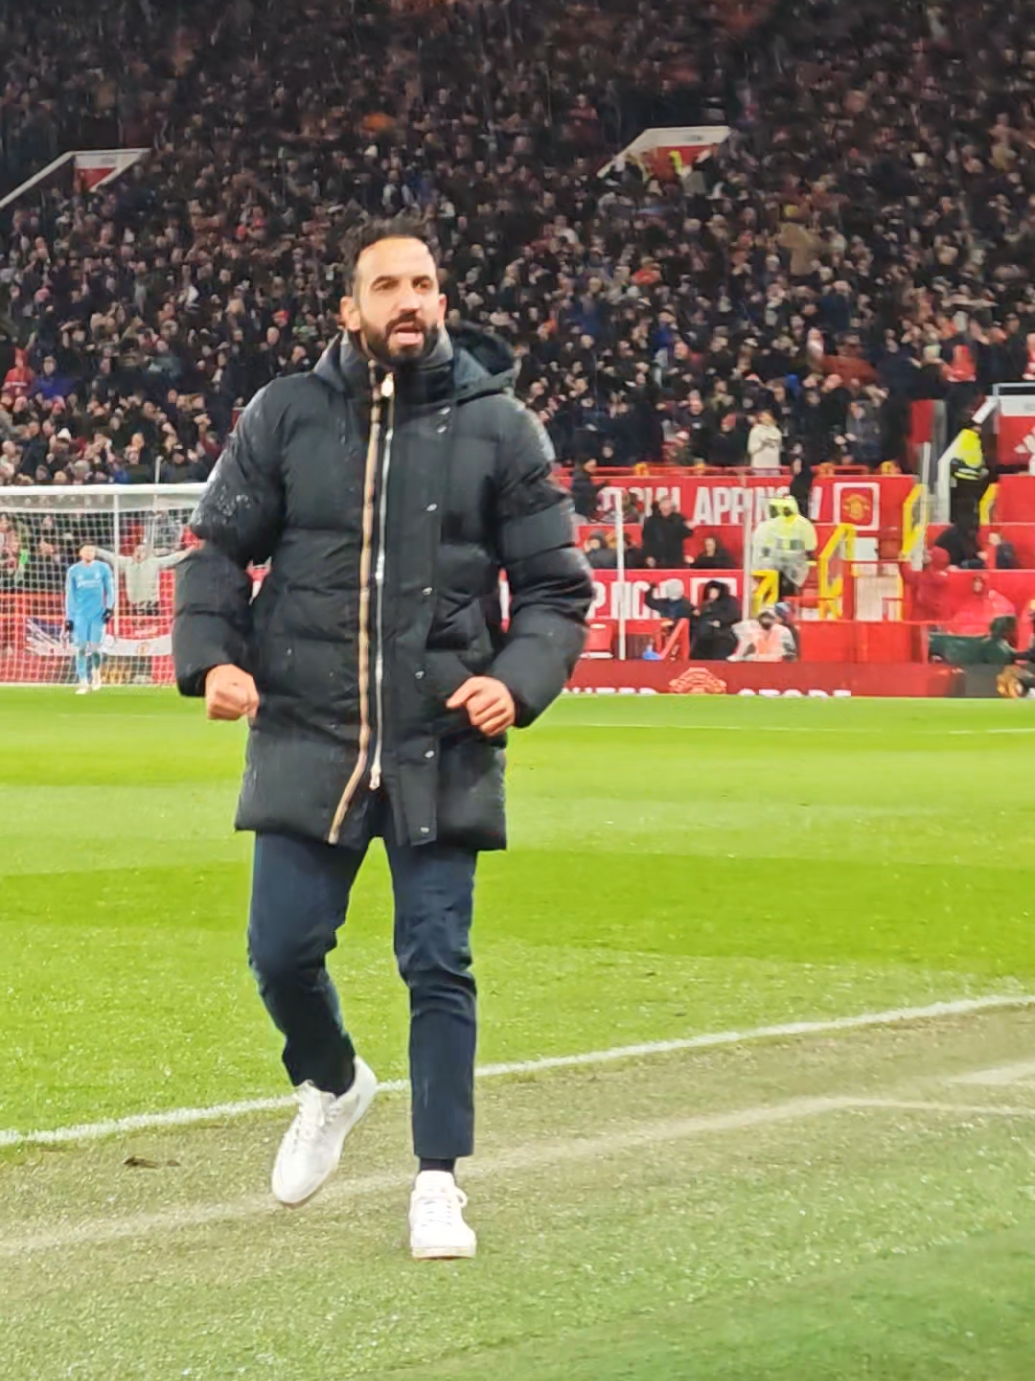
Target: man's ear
349	314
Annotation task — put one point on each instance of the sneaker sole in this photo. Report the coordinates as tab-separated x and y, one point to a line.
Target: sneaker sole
300	1203
445	1253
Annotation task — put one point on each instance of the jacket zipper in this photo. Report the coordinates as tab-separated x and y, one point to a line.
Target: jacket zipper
387	391
369	488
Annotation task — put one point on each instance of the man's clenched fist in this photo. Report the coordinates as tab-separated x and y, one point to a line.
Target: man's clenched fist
489	705
230	693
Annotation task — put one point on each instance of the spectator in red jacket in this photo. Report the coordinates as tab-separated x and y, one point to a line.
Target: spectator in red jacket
974	616
927	590
18	379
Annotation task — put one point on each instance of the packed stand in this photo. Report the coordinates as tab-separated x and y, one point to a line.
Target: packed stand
864	238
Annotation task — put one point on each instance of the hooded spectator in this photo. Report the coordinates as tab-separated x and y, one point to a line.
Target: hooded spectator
714	638
927	590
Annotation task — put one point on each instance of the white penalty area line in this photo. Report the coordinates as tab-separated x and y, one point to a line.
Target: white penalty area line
219	1112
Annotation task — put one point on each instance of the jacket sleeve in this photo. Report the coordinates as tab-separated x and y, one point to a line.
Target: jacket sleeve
238	519
551	587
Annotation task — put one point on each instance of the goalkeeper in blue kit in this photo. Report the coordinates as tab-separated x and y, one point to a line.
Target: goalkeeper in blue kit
89	601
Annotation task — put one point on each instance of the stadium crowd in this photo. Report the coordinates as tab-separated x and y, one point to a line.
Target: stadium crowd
864	237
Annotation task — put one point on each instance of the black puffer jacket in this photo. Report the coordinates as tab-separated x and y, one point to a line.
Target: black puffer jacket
386	518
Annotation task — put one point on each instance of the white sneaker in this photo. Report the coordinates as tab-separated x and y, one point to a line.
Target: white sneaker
437	1228
83	688
312	1146
95	682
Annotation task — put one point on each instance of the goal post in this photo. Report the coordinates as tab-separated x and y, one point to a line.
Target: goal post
140	531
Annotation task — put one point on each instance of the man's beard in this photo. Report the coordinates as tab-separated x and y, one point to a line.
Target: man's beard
378	344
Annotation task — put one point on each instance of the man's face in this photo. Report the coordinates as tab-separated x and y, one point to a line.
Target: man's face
87	555
766	620
666	507
396	307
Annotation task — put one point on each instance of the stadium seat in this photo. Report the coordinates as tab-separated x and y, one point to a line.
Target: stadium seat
600	642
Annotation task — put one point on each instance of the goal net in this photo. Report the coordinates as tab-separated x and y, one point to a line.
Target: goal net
139	531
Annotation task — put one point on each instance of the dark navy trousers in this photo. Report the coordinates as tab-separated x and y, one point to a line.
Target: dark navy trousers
300	894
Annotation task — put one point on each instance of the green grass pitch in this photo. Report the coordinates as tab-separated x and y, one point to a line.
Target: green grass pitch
803	1209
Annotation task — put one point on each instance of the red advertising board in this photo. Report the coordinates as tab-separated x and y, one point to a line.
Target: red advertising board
769	679
871	504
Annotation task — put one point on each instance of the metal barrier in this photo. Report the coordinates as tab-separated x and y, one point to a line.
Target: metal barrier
835	593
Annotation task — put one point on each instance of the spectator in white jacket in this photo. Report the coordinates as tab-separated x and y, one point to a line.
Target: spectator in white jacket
765	442
142	572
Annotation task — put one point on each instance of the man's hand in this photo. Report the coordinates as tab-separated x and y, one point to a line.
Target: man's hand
108	615
230	693
489	705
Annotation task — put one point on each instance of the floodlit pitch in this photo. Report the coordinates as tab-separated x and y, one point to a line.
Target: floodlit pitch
839	1202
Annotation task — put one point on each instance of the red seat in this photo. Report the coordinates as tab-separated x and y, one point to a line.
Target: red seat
600	641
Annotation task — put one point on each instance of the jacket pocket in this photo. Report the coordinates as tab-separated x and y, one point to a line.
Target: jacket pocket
459	646
471	794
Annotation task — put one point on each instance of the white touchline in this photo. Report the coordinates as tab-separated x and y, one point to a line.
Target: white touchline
218	1112
1018	729
998	1075
954	1109
517	1160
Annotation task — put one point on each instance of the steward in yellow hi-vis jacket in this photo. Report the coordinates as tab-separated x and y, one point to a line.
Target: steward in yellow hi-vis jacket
783	543
968	472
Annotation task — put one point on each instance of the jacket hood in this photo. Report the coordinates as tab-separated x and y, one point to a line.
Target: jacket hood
466	363
485	363
939	559
716	589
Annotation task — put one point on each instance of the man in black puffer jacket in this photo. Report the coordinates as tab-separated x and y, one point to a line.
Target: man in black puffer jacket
386	490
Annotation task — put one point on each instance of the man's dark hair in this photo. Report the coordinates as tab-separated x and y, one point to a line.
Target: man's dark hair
407	225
